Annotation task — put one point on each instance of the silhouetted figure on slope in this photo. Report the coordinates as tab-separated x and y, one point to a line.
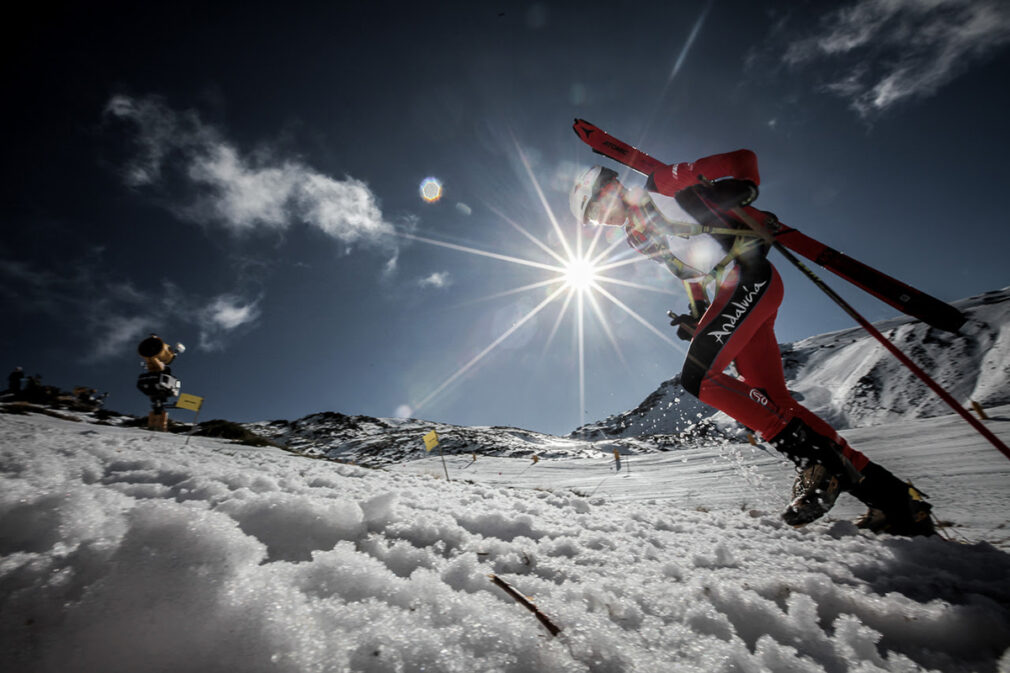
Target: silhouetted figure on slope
14	381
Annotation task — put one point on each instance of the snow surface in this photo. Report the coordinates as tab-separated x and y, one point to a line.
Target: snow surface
125	550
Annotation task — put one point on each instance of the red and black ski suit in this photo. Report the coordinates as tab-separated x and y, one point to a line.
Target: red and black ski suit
739	324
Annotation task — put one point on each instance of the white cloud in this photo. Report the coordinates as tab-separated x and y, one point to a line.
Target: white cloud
392	264
346	210
240	196
439	279
228	312
223	314
118	334
160	134
242	192
896	50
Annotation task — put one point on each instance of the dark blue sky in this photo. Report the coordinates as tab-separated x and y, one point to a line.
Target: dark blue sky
240	178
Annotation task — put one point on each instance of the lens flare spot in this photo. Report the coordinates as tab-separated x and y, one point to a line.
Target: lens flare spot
431	190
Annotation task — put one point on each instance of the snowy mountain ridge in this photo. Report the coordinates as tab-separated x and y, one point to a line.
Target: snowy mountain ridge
845	377
375	442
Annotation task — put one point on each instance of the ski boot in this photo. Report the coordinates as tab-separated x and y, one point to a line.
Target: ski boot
823	472
894	506
814	493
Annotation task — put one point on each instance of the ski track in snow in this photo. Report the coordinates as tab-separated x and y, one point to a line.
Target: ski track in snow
124	550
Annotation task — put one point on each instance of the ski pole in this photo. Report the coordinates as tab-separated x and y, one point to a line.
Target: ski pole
875	333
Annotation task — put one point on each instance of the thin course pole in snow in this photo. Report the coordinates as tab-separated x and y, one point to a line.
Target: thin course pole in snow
526	603
196	422
443	463
875	333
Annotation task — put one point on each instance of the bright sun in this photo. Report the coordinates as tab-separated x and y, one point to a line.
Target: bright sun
580	274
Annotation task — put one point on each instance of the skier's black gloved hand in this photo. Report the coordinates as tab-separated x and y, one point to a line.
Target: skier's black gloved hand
750	193
686	325
733	193
700	306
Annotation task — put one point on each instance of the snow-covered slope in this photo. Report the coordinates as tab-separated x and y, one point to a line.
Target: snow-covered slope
851	381
125	550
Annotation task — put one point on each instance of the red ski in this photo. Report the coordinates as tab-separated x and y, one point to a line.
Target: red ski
903	297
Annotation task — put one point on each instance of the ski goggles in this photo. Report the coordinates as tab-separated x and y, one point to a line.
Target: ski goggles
605	206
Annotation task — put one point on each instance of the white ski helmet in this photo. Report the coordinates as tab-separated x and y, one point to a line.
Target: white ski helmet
587	187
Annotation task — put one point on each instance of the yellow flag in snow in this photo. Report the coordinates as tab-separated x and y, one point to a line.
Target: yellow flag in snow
430	440
191	402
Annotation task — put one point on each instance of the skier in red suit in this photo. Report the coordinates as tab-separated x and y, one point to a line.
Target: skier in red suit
738	327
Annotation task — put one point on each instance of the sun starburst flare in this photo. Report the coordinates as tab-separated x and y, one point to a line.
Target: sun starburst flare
578	274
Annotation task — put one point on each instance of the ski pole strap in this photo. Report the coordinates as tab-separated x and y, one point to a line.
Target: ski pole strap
678	268
696	295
